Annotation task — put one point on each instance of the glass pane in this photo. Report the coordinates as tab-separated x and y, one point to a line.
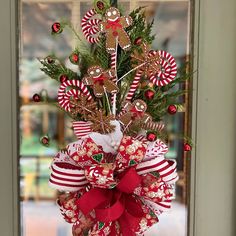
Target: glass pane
171	26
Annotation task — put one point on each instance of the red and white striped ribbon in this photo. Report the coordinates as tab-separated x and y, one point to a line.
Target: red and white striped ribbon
64	96
158	207
168	70
166	170
134	85
81	128
90	26
67	177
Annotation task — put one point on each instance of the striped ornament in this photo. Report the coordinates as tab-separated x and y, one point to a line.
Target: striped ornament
64	96
168	70
90	26
67	177
81	128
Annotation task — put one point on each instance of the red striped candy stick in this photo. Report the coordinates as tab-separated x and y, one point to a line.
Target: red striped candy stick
134	85
168	70
158	126
90	26
64	96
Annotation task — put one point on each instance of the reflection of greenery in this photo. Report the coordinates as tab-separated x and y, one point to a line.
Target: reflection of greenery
31	146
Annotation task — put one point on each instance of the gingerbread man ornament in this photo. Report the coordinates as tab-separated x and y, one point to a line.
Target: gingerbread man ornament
114	26
134	113
101	81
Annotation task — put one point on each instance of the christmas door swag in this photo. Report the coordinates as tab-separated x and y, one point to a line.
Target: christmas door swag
115	179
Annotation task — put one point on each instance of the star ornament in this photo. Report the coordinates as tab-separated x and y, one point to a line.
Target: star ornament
83	107
148	61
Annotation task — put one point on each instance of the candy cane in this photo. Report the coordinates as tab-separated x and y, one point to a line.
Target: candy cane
71	93
90	26
113	66
64	96
168	70
159	126
134	85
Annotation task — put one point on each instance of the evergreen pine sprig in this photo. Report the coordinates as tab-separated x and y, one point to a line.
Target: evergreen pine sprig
56	69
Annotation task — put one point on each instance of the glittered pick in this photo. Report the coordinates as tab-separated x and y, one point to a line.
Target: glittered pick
148	60
82	106
101	122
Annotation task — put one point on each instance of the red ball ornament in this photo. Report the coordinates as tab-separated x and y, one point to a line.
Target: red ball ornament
149	94
138	41
63	78
151	137
56	28
45	140
187	147
100	5
36	98
75	57
50	60
172	109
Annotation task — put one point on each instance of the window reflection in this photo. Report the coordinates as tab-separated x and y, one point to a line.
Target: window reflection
171	26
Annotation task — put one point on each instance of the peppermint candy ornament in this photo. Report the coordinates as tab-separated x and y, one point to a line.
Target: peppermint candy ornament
89	26
65	96
168	70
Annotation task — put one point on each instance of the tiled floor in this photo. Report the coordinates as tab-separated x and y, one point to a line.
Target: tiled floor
43	218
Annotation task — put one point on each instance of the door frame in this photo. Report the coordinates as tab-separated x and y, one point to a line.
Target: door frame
213	123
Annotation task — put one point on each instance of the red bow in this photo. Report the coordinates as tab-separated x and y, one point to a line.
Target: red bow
117	204
100	79
114	25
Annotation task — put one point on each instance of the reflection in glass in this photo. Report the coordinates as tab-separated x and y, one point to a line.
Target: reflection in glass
171	26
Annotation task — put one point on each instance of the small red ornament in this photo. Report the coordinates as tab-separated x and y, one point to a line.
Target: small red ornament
56	28
149	94
151	137
172	109
100	5
138	41
63	78
50	60
187	147
74	58
45	140
36	98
